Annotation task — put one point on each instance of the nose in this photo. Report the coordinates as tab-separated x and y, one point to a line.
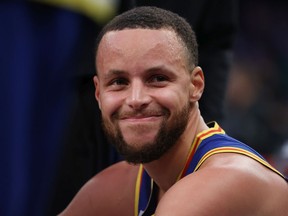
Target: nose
138	97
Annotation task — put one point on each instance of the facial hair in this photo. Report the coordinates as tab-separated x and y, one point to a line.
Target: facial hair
167	136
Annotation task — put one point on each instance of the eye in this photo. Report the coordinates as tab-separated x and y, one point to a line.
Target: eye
117	83
158	80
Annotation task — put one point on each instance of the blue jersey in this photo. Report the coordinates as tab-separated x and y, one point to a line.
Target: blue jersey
207	143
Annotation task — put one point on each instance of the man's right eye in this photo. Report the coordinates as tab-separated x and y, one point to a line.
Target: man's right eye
117	83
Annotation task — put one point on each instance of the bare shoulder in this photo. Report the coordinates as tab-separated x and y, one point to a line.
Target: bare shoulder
107	193
227	184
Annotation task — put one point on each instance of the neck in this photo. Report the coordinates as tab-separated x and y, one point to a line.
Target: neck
166	170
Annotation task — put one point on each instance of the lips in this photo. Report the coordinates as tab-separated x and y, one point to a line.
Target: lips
139	115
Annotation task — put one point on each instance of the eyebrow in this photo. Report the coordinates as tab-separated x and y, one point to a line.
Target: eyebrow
161	68
115	72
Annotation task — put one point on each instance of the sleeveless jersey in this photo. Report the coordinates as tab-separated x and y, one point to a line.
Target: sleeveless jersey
207	143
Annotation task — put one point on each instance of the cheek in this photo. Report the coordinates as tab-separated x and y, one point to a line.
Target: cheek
109	104
173	100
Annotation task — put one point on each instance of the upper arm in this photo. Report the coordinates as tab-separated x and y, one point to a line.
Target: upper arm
82	202
221	191
107	193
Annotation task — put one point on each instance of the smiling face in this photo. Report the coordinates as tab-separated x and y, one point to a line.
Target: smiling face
144	91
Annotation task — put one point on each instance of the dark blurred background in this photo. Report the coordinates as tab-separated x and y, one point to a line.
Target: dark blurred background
50	131
257	93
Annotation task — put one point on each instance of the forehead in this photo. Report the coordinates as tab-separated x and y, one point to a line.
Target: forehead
139	44
140	35
143	39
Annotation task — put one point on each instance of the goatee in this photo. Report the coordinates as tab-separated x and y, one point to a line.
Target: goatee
167	136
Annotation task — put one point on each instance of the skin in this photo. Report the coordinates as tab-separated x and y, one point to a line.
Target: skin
153	66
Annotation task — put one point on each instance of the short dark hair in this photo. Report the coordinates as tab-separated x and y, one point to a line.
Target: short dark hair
150	17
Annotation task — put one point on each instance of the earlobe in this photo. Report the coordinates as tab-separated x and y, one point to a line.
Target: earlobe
97	91
197	83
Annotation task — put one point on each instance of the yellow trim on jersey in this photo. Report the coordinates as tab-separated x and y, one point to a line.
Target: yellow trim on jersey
216	129
137	190
235	150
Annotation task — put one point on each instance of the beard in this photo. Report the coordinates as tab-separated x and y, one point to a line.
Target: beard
168	134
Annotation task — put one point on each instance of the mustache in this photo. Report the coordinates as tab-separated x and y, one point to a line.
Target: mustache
140	113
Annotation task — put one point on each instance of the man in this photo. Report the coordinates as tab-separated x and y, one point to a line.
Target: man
148	86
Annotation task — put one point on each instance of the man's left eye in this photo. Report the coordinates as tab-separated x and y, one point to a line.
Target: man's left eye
119	81
159	78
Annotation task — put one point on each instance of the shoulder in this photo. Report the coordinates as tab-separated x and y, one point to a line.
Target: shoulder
227	184
108	192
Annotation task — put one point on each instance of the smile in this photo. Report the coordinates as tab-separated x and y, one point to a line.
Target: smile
141	118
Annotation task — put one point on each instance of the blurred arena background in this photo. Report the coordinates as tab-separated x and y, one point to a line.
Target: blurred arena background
257	94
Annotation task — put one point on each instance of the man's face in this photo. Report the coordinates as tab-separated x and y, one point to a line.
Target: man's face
143	90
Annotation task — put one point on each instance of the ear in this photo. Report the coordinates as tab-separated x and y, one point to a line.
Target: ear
97	90
197	84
